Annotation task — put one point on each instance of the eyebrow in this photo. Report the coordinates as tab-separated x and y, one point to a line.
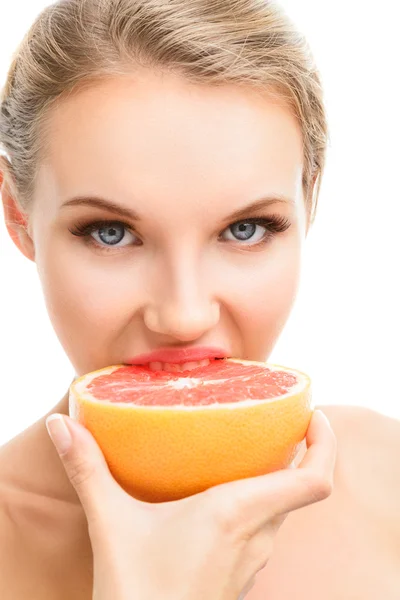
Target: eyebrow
109	205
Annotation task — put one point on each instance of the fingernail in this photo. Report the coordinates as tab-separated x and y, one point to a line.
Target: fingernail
59	433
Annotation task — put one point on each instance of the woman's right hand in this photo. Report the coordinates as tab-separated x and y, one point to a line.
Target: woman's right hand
210	545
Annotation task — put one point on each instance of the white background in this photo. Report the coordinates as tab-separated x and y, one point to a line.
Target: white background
344	330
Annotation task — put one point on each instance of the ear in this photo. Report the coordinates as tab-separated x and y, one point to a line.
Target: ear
15	219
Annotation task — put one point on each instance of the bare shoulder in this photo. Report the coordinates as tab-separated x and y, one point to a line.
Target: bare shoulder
372	435
369	451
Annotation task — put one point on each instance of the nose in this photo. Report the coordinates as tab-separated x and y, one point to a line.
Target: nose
182	309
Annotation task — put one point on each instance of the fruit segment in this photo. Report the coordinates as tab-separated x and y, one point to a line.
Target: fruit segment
219	383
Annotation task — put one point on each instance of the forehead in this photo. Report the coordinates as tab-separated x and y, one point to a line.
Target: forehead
153	130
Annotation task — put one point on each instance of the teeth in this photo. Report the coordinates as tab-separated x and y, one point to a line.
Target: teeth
178	367
155	366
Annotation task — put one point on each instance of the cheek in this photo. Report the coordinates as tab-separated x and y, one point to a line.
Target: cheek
274	302
87	303
264	294
92	299
277	292
265	304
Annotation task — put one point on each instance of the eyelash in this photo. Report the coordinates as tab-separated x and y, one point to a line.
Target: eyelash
274	224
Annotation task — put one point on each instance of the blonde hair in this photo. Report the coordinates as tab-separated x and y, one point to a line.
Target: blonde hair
73	43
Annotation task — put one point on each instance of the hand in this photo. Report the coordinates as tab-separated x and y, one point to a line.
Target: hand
210	545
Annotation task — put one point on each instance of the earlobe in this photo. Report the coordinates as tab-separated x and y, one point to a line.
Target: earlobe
16	221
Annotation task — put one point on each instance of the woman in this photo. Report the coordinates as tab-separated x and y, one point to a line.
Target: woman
164	161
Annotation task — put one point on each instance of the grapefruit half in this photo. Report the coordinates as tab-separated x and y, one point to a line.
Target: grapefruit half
167	435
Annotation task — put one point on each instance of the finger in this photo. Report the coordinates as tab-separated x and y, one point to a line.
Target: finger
321	446
247	505
84	463
258	552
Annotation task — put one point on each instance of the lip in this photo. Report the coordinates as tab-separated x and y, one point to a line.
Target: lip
178	355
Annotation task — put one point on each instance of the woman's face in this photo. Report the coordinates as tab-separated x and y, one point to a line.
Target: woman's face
178	267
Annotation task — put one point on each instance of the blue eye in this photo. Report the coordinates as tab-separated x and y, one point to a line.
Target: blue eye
244	231
105	234
111	234
257	230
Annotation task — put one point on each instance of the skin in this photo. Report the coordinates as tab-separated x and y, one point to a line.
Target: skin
179	155
184	158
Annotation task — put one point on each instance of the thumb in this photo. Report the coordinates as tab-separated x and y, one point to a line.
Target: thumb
83	461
